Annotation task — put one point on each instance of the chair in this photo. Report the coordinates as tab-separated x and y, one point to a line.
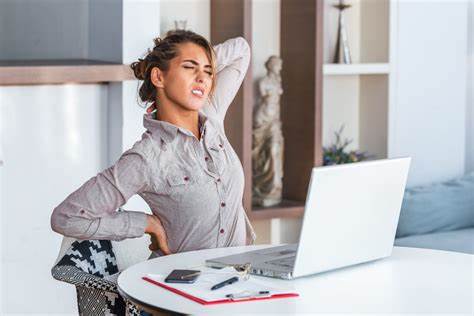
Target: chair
91	265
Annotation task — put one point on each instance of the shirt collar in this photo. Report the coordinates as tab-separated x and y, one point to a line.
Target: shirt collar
167	131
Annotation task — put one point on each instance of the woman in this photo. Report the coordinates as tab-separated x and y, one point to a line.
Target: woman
183	167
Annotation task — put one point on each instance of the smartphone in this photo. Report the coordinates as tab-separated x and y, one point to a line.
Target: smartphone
182	276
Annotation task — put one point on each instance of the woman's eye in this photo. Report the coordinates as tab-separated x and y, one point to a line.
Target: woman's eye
190	67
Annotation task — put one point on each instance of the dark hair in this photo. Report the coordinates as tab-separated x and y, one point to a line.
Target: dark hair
164	50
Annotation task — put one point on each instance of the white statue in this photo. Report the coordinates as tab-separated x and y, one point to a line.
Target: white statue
267	147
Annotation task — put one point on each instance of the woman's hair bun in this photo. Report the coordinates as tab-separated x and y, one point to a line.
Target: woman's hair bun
157	41
139	69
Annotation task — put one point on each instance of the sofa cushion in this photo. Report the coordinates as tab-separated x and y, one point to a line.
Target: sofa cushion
437	207
461	240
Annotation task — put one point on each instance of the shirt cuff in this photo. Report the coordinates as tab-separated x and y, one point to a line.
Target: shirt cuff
138	222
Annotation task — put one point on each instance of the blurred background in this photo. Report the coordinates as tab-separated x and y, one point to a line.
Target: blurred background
69	108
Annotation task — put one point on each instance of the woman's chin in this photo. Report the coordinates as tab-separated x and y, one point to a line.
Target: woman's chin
195	105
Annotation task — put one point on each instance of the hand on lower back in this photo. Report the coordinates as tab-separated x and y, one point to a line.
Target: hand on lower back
157	233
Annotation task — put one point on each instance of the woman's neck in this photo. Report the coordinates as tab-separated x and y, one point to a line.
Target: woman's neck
180	117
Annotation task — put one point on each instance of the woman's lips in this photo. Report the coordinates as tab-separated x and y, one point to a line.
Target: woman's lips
197	93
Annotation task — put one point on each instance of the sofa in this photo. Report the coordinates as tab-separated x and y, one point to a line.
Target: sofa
439	216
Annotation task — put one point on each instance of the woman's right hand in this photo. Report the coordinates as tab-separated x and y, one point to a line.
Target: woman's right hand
157	233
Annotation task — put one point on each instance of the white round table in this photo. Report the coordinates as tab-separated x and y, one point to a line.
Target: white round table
410	281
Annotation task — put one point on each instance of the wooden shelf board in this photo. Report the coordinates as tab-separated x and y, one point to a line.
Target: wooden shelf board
356	69
286	209
34	72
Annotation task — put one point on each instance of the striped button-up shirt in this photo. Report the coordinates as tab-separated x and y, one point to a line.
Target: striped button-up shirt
194	186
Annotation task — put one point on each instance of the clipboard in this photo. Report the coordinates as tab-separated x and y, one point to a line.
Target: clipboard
200	290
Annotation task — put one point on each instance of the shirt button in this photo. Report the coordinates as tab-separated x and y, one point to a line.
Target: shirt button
222	204
206	158
220	145
222	230
219	180
186	178
82	211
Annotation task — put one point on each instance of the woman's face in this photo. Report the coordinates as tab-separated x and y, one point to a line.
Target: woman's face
188	80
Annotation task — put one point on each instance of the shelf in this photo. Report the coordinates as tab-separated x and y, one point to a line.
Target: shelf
34	72
356	69
286	209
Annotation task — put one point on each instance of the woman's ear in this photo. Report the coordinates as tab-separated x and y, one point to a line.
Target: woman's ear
157	77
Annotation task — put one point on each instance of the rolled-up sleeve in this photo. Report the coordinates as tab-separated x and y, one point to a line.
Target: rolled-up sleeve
90	212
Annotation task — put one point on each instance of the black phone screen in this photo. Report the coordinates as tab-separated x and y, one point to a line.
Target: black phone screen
182	276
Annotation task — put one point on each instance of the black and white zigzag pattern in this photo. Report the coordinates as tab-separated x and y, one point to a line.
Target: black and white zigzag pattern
92	256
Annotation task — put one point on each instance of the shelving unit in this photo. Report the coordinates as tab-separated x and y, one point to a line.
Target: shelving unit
358	95
34	72
302	83
356	69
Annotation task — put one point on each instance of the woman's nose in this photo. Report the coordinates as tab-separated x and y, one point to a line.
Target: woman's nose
200	77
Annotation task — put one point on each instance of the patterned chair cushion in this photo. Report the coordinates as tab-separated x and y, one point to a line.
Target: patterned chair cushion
92	256
87	264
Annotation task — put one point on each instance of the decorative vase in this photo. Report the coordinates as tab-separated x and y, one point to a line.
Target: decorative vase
180	24
343	54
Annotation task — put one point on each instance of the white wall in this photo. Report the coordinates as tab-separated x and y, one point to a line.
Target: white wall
196	12
265	35
428	121
470	92
53	140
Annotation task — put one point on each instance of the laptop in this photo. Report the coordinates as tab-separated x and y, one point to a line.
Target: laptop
351	216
